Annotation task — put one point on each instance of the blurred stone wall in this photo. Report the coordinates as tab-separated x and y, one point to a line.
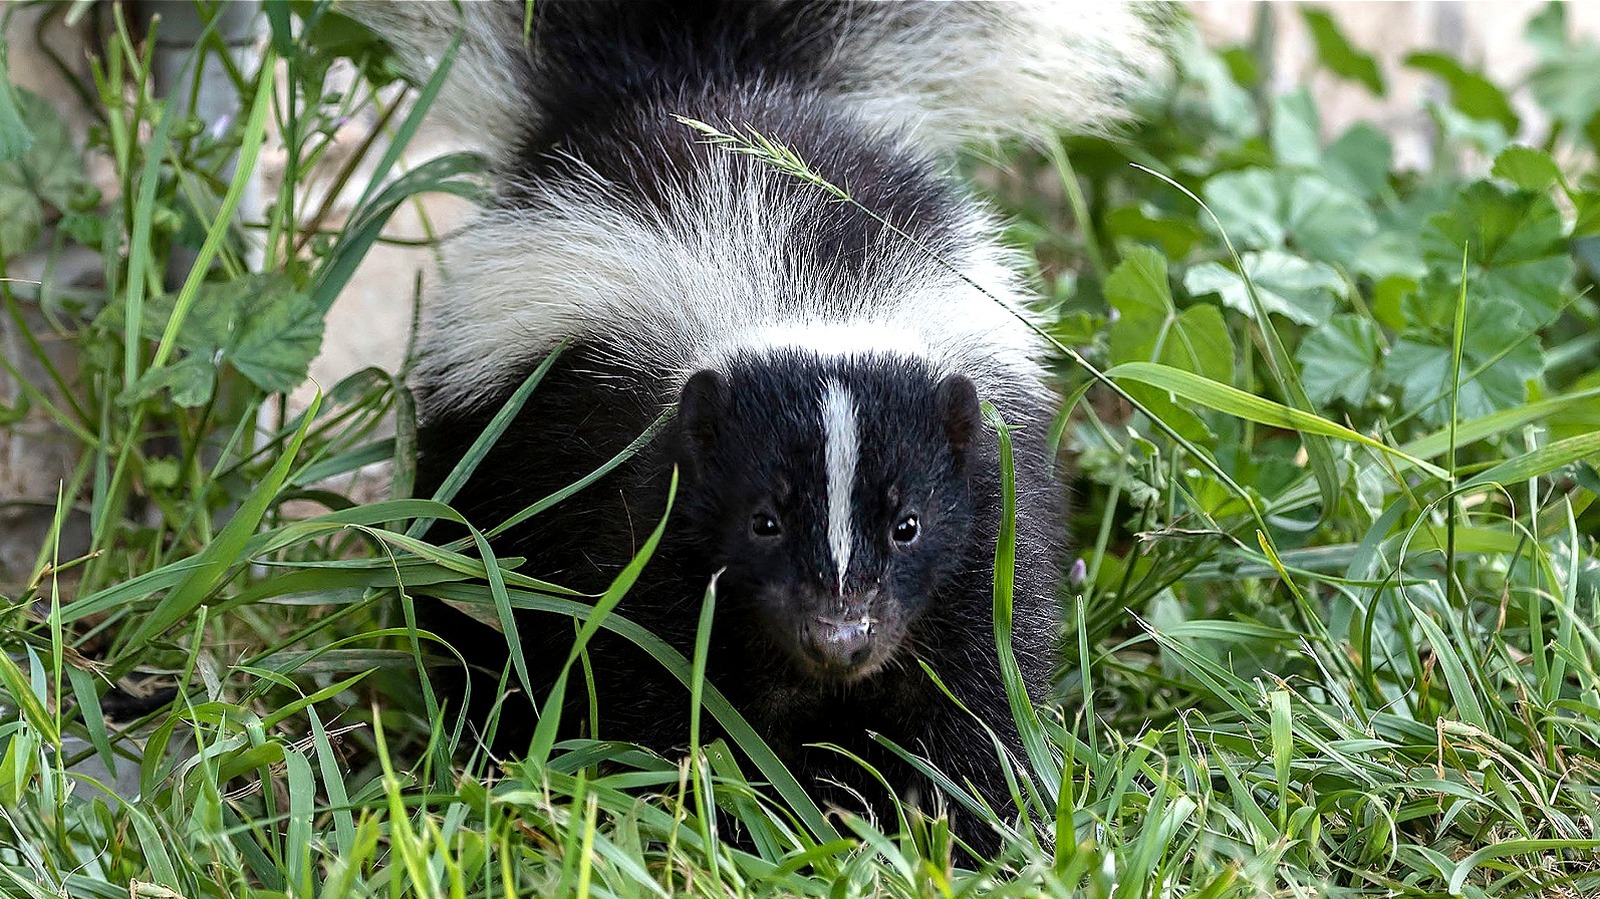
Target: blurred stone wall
34	455
369	324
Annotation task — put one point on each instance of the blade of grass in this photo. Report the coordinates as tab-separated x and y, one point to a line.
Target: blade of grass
1539	462
1279	365
1046	768
550	713
224	552
491	434
704	806
732	722
1232	401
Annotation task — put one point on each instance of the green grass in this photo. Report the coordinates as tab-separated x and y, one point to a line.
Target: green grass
1335	633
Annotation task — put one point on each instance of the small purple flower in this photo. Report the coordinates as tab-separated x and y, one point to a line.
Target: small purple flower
1077	572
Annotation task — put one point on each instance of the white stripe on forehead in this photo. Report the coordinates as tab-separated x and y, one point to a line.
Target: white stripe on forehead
841	450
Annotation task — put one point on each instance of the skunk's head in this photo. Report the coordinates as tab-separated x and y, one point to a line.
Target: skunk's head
834	495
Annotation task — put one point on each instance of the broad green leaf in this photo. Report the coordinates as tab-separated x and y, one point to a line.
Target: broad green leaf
1231	108
1268	210
21	219
1198	341
1295	132
1341	359
15	135
190	381
1299	290
41	167
1249	204
1360	160
1327	222
1391	256
1587	221
277	334
1526	167
1336	53
1149	329
1496	226
1400	219
1470	92
1564	83
1587	251
1457	129
1423	369
1242	66
1428	308
1515	245
1492	324
339	34
1077	328
204	330
1546	32
259	323
51	167
1138	289
1144	222
1389	297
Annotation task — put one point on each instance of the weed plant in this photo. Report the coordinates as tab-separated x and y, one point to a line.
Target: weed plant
1334	628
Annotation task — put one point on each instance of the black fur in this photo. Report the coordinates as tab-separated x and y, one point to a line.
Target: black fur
614	73
763	449
591	60
747	438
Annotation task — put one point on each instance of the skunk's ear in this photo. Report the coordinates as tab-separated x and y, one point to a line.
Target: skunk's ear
955	401
702	406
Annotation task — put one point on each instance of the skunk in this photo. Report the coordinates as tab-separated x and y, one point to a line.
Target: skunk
826	358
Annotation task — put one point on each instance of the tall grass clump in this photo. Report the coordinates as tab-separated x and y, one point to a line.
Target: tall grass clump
1333	628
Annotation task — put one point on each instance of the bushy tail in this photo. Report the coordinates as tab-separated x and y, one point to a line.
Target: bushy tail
485	92
943	73
959	72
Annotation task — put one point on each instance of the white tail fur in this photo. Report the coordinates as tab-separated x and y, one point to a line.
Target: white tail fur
941	73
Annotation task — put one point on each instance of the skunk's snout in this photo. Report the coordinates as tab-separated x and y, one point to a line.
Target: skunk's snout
847	638
840	642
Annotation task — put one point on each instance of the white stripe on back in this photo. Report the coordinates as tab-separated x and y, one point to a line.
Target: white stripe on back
841	450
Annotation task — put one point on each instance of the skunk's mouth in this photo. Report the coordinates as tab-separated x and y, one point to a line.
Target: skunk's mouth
824	637
847	645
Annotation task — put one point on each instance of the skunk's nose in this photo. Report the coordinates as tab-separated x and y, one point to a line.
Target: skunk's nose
840	642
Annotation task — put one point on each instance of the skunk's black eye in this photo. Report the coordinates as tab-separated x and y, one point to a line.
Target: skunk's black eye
765	525
906	530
